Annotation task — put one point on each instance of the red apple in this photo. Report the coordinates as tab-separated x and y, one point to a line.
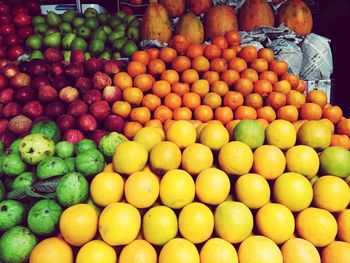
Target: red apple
40	80
55	109
59	82
4	8
25	32
20	80
33	6
22	19
37	67
77	56
20	124
97	135
24	94
77	108
7	138
53	55
6	95
9	70
128	10
68	94
11	109
91	96
3	81
3	51
14	52
47	93
65	122
3	125
5	19
111	94
33	109
83	84
101	80
73	136
74	70
93	65
100	110
86	122
3	62
6	30
12	40
56	69
114	123
112	66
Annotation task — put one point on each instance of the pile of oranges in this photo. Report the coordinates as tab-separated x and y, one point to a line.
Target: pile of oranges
221	81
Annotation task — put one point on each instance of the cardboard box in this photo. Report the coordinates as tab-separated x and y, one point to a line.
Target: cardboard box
324	85
61	8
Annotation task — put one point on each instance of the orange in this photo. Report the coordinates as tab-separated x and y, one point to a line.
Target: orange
181	63
296	98
332	113
211	76
121	108
267	113
336	252
140	114
154	123
223	114
254	100
156	67
266	54
230	76
237	48
340	140
233	38
161	88
167	124
298	250
270	76
219	87
260	65
191	100
233	99
203	113
245	112
144	82
151	101
231	125
189	76
172	101
194	50
238	64
243	86
131	128
278	66
301	86
212	51
282	86
263	122
212	99
141	56
153	53
318	97
133	95
251	74
228	54
163	113
136	68
220	41
167	54
311	111
218	65
170	75
200	64
292	79
138	251
289	113
182	113
343	220
180	43
248	53
201	87
343	127
180	88
263	87
276	100
122	80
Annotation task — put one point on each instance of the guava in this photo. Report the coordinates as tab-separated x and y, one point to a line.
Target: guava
90	162
2	158
2	147
11	214
51	166
14	147
70	162
35	147
83	145
2	190
47	128
24	180
13	165
64	149
109	142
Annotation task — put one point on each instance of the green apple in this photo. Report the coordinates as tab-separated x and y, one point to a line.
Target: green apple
78	43
65	28
78	21
53	19
92	23
67	40
96	47
34	42
52	40
36	20
41	28
68	16
84	32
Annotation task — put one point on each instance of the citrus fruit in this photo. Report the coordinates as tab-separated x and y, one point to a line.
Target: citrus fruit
159	225
212	186
217	250
177	189
252	190
331	193
182	133
336	252
78	224
179	250
249	132
142	189
335	160
52	250
196	157
343	220
96	251
119	223
317	226
236	158
281	133
12	213
148	136
233	221
165	156
259	249
298	250
129	157
314	134
196	222
302	159
138	251
106	188
276	222
214	136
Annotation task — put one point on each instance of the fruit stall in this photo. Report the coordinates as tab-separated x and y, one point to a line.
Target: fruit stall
187	131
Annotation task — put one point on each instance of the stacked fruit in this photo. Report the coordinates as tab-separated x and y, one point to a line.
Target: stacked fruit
100	35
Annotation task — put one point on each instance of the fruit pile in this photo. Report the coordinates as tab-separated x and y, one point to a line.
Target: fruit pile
100	35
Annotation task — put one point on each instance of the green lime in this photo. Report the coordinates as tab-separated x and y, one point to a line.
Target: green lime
83	145
51	166
70	162
47	128
129	48
44	216
133	33
11	214
35	147
72	189
96	47
24	180
64	149
99	34
13	165
105	55
14	147
117	55
2	190
16	244
127	19
109	142
90	162
250	132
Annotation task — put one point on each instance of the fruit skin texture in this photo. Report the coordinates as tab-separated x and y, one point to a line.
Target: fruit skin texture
96	251
219	20
296	15
335	161
255	13
174	7
199	6
179	250
336	252
191	27
299	250
156	24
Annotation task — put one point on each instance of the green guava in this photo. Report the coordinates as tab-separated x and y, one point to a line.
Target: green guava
90	162
24	180
70	162
13	165
35	147
11	214
83	145
47	128
64	149
14	147
109	142
51	166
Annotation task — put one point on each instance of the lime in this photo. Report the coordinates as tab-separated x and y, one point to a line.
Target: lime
64	149
14	147
250	132
16	244
90	162
47	128
70	162
83	145
11	214
72	189
51	166
335	161
109	142
35	147
24	180
2	190
44	216
13	165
